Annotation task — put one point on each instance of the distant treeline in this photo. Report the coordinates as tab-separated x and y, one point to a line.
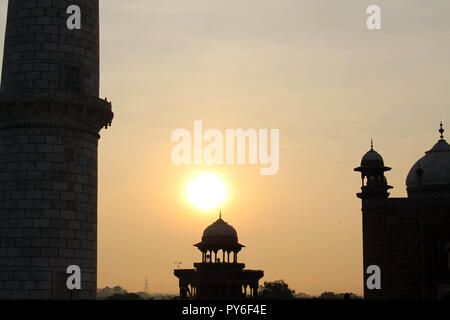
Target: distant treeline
279	290
275	290
119	293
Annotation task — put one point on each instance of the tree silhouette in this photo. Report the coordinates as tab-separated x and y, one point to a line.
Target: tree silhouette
277	290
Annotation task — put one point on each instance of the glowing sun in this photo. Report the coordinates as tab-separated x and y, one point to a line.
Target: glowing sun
206	191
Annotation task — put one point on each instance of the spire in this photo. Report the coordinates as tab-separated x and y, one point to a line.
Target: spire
220	214
441	131
371	144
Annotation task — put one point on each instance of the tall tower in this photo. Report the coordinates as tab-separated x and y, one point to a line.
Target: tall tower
50	118
372	168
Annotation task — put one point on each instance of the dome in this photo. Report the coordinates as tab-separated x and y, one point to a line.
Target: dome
219	234
434	169
372	164
372	158
220	229
435	165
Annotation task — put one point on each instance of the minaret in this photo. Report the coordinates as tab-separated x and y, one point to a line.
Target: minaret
374	193
372	168
50	118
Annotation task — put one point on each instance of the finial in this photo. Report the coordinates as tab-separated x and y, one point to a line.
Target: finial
441	131
220	214
371	144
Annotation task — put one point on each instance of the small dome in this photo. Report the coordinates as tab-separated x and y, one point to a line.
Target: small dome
372	157
220	229
372	163
219	235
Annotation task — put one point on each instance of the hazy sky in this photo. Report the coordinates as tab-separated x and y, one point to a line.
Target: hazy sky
309	68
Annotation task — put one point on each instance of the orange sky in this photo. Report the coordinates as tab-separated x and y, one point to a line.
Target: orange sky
309	68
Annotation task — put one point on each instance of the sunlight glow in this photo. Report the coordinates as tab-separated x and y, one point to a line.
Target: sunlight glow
206	191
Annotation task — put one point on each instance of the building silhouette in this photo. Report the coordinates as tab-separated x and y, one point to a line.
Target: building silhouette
50	118
408	238
219	275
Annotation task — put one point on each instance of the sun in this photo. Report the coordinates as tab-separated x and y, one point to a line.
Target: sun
206	191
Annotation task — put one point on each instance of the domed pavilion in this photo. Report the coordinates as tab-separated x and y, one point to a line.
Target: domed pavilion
219	275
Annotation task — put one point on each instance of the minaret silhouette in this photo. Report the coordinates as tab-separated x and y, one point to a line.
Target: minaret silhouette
372	168
50	118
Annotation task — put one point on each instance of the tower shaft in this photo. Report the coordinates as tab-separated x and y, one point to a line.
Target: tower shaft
50	118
